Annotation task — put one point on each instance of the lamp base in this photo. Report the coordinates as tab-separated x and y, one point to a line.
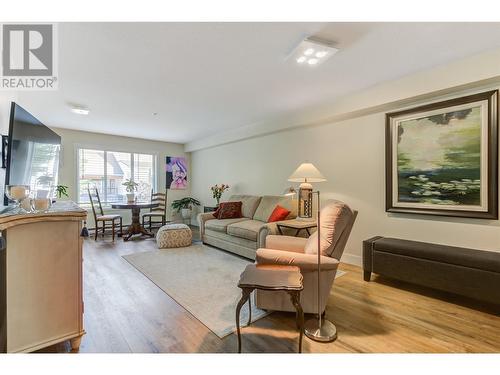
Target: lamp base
326	333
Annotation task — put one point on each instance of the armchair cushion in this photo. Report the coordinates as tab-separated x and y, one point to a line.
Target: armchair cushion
287	243
334	218
306	262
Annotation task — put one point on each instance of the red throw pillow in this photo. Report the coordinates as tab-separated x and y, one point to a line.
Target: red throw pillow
279	213
229	210
216	212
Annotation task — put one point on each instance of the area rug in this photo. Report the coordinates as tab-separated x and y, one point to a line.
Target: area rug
201	279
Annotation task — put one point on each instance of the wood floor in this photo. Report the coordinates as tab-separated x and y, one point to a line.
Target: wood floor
125	312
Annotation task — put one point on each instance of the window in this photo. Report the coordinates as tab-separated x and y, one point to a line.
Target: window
107	170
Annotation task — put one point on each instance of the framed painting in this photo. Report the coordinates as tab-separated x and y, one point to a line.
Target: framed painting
442	158
177	173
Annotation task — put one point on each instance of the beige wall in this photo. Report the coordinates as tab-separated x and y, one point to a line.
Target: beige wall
350	152
72	139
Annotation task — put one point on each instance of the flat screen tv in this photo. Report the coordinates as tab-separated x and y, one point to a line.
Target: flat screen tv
32	152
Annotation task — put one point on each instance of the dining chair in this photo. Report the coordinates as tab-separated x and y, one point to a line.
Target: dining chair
159	212
99	216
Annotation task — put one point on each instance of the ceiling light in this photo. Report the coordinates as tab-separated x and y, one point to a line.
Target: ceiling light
314	51
80	111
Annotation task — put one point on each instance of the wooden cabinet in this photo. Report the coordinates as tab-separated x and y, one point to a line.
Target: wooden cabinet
42	300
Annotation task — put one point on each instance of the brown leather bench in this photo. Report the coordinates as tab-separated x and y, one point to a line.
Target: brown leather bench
467	272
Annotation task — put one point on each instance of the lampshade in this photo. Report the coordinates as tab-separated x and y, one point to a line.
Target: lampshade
306	172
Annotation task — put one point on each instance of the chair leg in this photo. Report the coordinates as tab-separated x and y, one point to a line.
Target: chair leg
121	227
113	230
103	228
96	230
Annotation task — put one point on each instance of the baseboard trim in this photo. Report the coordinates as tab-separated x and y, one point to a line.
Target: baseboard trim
352	259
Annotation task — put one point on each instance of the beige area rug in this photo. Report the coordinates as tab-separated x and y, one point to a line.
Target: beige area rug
201	279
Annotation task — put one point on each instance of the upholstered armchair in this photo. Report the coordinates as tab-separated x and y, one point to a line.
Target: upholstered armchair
337	220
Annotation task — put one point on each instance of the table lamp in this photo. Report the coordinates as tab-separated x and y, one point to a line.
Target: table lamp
305	174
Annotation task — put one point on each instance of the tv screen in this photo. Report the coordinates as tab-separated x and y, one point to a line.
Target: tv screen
32	153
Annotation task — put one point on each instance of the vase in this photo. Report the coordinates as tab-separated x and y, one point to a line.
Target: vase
186	213
130	197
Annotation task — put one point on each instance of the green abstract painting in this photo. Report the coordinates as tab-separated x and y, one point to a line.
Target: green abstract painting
439	158
442	158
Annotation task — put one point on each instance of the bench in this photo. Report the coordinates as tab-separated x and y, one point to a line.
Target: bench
467	272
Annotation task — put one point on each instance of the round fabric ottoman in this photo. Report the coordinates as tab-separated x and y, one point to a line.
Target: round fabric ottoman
174	235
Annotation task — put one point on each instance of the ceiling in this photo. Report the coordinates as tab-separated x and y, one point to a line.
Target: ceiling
206	78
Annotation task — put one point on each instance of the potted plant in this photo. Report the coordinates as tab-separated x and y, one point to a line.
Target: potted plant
185	206
130	187
217	191
61	191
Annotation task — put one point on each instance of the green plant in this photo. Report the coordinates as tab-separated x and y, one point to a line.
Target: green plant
187	202
130	185
62	191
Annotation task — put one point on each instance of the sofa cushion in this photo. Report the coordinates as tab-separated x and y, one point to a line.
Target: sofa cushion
248	229
229	210
220	225
269	202
249	204
334	218
279	213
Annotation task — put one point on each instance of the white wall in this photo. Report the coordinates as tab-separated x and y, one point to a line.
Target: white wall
351	154
71	139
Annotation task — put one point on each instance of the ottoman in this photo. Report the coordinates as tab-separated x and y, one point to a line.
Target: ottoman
174	235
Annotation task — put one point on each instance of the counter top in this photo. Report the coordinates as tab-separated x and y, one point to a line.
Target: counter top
61	210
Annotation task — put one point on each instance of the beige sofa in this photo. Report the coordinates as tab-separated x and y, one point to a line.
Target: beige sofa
245	235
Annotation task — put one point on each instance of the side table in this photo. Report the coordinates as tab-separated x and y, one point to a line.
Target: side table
298	225
271	277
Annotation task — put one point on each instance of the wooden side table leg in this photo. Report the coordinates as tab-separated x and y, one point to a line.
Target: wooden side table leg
295	297
249	308
75	343
245	293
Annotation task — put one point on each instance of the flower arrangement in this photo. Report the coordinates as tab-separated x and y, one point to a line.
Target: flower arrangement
218	190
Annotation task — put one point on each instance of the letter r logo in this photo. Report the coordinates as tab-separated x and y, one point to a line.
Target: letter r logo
27	50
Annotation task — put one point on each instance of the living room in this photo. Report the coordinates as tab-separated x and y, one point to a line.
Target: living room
249	187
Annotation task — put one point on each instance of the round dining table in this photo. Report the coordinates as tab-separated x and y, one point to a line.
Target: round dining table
135	227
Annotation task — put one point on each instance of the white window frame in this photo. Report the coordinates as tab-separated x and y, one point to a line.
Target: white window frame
106	149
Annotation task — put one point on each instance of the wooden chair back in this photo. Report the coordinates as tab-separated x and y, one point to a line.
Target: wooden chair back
161	199
95	201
